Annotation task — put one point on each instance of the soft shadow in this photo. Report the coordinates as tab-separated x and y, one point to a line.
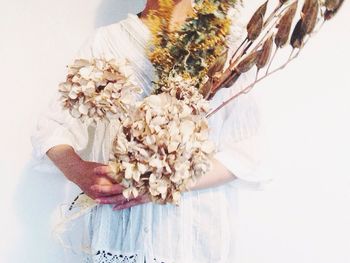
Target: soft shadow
112	11
36	199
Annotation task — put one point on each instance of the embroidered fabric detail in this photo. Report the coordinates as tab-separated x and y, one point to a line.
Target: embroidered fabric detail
102	256
156	261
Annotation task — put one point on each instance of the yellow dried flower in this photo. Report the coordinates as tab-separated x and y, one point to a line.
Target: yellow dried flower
190	50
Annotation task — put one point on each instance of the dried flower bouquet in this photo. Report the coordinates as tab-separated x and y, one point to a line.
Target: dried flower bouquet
163	140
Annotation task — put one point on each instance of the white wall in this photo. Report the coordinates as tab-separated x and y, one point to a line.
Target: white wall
37	40
302	217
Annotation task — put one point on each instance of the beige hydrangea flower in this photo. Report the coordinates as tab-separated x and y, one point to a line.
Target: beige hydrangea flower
163	144
98	89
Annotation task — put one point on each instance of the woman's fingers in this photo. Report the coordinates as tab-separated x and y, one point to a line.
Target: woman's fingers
133	202
116	199
120	202
105	171
128	204
107	190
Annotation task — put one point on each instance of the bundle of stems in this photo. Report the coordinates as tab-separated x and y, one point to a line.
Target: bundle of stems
266	35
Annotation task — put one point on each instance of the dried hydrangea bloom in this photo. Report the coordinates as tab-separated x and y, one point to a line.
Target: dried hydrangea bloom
98	89
162	141
185	90
163	144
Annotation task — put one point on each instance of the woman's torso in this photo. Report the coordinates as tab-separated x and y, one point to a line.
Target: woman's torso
201	229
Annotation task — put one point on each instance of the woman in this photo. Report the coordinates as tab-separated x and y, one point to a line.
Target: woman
202	228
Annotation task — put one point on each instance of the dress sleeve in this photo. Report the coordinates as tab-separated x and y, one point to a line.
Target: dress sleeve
55	125
239	147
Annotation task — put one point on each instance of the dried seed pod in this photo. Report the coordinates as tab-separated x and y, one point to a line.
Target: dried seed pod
255	24
206	89
332	5
231	80
307	5
265	53
310	16
329	14
248	62
284	25
218	65
298	35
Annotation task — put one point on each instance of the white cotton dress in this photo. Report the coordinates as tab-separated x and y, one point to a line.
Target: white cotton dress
203	228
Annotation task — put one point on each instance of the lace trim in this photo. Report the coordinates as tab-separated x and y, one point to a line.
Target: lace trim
102	256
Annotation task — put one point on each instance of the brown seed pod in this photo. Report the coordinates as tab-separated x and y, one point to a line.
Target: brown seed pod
298	35
206	89
265	53
306	6
309	18
332	5
255	24
231	80
218	65
329	14
284	25
248	62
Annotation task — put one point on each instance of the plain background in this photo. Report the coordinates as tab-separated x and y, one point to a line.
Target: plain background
302	216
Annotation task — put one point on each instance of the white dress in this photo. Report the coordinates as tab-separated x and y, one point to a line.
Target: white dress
202	229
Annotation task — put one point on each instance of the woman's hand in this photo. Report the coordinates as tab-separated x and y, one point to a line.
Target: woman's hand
108	196
217	176
83	173
91	182
92	178
119	202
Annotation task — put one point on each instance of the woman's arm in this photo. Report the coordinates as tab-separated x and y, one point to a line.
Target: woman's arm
65	158
217	176
61	138
237	157
55	125
81	172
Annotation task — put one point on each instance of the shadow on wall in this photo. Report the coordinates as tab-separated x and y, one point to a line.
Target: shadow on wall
37	204
112	11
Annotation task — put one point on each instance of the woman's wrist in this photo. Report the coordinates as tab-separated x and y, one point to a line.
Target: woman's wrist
66	159
217	175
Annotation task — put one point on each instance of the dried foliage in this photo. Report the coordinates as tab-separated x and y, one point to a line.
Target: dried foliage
265	53
266	36
332	7
247	63
256	23
190	50
284	26
163	140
